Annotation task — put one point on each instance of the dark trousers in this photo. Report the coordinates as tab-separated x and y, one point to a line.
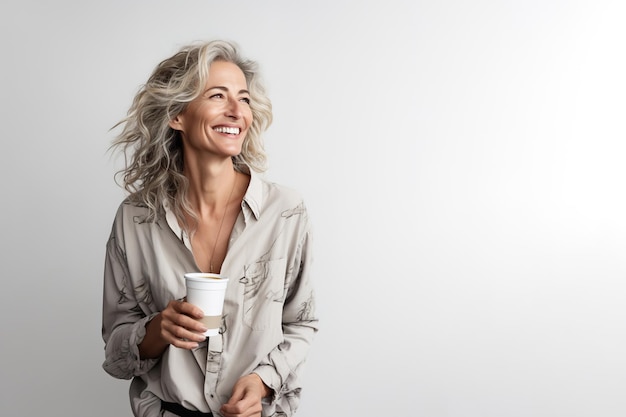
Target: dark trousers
181	411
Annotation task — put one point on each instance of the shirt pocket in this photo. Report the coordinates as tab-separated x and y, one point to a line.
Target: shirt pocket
263	293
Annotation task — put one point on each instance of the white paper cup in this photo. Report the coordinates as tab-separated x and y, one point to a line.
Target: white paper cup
207	291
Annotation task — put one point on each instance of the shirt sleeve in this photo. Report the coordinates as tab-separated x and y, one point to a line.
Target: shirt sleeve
280	368
123	321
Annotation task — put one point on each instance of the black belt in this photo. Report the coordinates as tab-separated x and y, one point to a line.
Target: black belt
181	411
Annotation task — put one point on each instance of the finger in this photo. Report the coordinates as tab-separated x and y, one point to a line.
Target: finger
237	395
183	307
241	403
185	315
184	344
190	330
190	342
191	324
241	408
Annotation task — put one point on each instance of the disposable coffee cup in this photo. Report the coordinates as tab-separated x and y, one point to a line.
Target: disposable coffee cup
207	291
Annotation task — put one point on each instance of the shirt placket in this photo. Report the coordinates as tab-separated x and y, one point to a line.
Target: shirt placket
213	363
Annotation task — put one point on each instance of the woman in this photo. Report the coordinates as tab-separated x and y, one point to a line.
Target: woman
197	203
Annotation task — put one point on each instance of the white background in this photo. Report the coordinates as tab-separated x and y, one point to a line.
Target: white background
463	162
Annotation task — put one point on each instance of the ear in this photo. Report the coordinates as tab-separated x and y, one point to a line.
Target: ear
176	123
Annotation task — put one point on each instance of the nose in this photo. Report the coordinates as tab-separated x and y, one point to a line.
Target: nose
233	109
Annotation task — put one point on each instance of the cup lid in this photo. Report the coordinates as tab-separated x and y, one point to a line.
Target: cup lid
203	276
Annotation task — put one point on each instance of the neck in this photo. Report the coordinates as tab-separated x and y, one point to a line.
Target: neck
210	185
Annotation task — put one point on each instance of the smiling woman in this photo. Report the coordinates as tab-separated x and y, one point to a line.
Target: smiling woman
198	204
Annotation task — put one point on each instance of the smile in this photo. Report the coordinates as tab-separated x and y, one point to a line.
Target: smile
228	130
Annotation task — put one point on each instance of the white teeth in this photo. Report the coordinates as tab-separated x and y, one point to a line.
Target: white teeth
229	130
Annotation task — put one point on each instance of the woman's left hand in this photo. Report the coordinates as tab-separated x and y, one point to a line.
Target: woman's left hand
245	400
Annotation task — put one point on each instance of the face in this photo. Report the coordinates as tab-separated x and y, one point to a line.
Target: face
217	122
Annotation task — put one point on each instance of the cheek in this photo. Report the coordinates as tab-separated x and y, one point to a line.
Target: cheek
249	117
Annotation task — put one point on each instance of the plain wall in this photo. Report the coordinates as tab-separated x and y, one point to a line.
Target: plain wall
463	162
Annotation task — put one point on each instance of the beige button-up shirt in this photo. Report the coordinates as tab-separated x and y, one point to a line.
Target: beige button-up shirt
269	312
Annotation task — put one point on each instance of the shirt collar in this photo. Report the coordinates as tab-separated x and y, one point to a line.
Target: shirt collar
253	198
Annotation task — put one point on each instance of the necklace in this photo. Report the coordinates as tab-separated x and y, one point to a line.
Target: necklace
217	238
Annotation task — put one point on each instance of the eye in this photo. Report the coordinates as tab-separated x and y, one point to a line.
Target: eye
245	100
217	95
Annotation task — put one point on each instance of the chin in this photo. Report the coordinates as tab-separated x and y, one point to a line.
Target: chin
232	152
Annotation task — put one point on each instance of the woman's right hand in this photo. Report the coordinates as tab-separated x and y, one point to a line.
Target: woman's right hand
177	325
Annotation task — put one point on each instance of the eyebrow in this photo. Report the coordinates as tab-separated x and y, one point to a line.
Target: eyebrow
219	87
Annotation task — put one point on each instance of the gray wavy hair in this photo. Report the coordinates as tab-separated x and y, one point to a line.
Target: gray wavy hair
153	150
